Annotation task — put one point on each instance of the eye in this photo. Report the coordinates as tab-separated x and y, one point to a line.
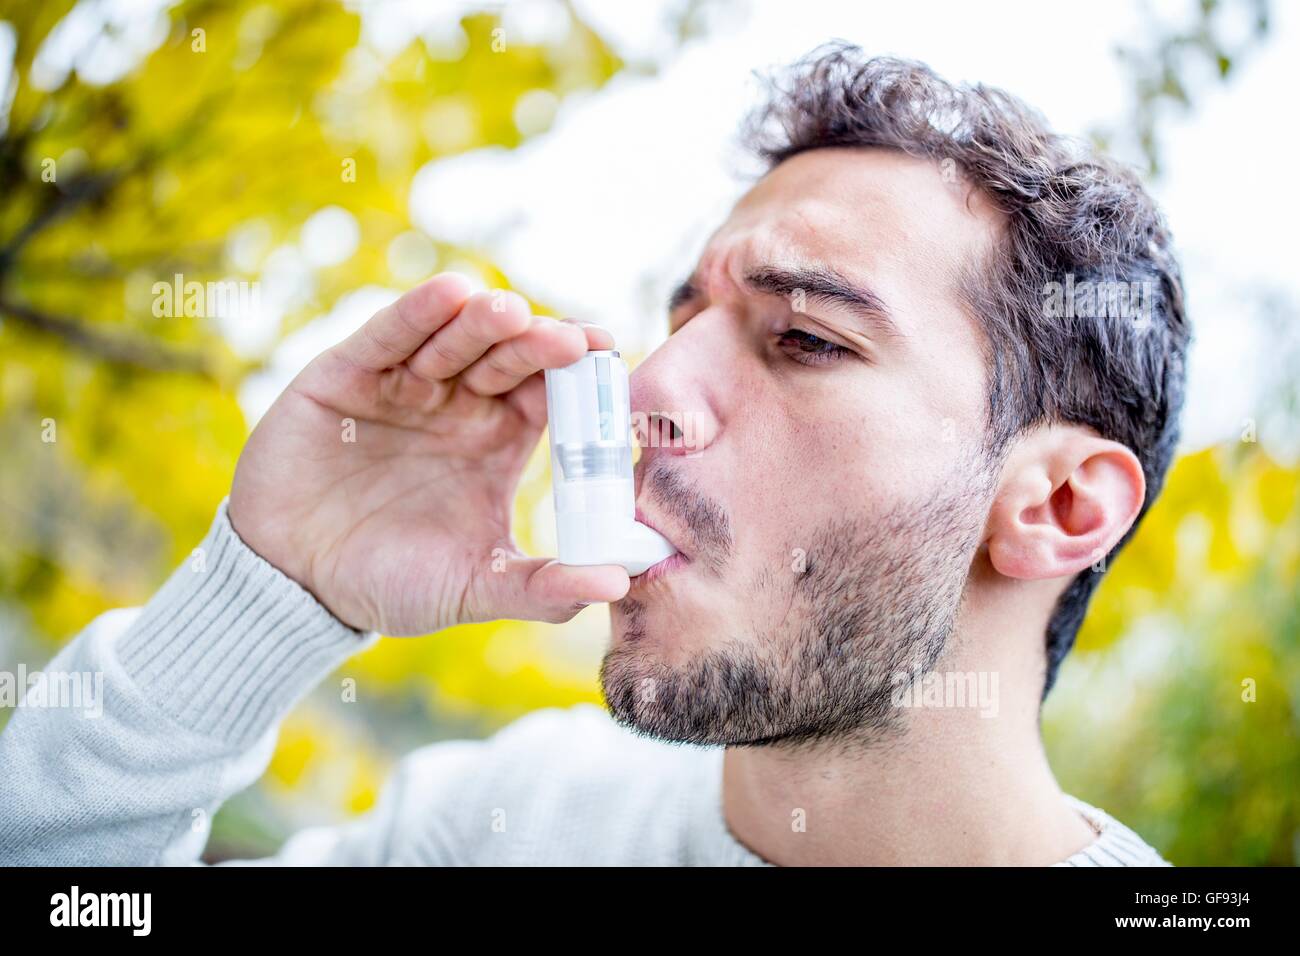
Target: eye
809	349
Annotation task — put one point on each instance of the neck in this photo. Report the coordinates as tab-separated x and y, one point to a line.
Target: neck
952	784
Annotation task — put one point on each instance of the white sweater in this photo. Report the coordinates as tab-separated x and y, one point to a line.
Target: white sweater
196	683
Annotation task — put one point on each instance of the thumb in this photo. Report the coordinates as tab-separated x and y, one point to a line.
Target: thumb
543	589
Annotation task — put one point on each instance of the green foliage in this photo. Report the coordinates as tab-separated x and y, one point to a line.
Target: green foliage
245	121
120	427
1180	711
1160	65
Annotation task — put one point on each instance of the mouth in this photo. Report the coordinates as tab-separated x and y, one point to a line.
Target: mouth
669	564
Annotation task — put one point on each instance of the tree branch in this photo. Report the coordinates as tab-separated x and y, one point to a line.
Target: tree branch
81	190
130	351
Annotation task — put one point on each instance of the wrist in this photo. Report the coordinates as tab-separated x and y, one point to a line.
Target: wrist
230	643
272	545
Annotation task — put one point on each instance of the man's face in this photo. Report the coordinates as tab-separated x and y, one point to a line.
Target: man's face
825	479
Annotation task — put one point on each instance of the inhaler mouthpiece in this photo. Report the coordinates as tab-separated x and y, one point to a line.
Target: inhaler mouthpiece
588	412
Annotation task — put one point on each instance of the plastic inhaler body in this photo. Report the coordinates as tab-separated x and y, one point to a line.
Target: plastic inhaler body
588	414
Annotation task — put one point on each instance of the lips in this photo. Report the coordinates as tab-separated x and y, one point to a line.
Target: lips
645	519
668	564
657	571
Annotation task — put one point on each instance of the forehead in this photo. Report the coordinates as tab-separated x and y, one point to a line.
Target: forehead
895	222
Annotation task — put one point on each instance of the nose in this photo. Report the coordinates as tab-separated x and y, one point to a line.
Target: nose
676	393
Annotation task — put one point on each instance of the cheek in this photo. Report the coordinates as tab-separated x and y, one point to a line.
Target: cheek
798	467
801	465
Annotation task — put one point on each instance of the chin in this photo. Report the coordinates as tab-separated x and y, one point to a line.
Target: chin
659	643
628	621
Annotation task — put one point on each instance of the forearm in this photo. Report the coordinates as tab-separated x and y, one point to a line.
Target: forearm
193	688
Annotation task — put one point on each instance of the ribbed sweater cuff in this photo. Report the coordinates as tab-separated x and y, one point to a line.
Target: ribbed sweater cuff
230	643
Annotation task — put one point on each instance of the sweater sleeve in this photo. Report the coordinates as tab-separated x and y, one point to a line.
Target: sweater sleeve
164	712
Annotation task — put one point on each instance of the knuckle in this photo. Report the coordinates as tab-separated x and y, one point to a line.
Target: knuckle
443	356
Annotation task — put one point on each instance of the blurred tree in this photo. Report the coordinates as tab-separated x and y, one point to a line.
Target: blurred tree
1168	71
160	185
201	161
1179	712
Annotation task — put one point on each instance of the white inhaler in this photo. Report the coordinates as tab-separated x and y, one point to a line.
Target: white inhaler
588	413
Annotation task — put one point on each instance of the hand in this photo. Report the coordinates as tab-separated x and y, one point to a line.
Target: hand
381	480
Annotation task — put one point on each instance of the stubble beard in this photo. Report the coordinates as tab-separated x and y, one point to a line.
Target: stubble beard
875	599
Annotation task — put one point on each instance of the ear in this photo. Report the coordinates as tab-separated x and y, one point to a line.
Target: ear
1067	497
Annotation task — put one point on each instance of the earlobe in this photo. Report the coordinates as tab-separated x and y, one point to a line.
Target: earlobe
1068	497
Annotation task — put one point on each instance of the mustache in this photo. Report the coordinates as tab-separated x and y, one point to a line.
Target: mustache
701	518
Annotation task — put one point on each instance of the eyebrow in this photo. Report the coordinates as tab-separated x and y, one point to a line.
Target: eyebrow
816	282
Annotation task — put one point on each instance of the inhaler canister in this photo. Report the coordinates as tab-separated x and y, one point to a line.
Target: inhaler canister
588	413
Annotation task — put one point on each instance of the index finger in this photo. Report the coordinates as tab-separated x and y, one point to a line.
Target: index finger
396	332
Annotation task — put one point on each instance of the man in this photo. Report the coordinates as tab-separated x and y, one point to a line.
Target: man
893	439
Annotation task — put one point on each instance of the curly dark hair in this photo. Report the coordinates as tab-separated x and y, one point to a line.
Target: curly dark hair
1073	216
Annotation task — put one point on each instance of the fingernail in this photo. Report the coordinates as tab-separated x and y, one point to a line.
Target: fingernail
599	328
587	325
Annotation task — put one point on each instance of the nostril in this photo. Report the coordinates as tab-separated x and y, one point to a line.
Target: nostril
661	431
670	435
674	433
679	433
